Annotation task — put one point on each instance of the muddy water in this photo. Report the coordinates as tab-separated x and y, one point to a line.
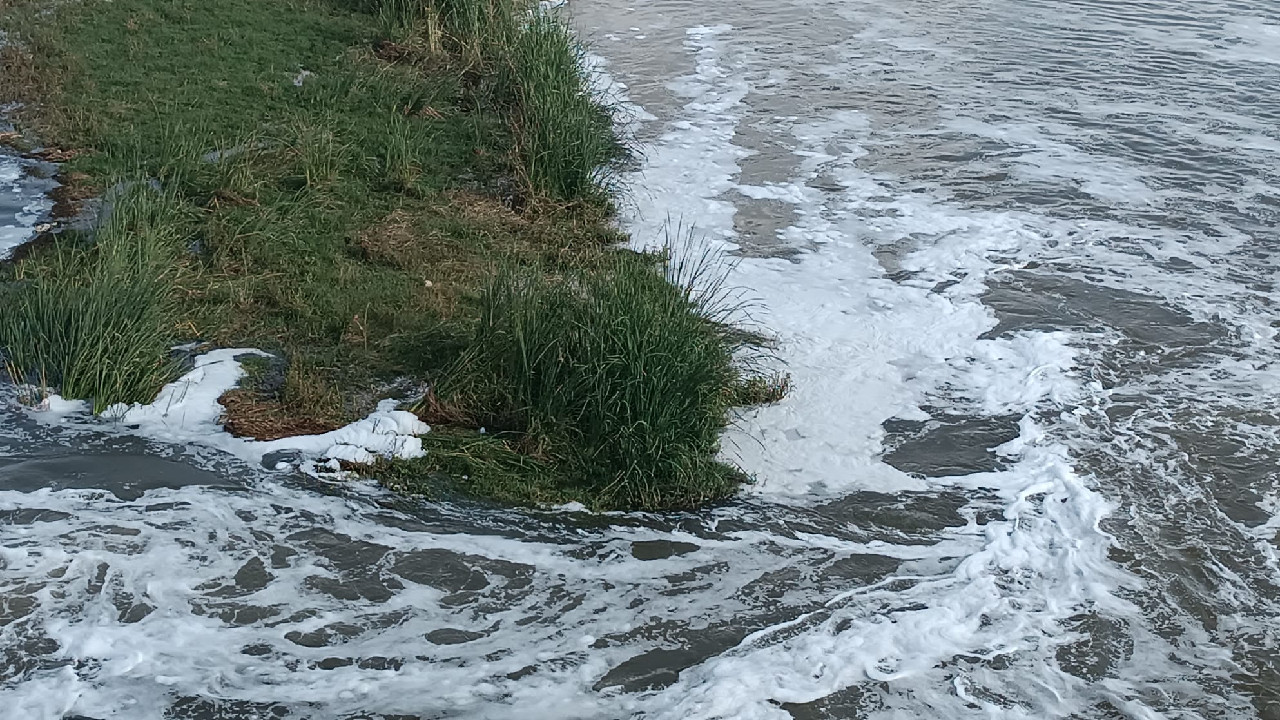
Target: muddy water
1019	260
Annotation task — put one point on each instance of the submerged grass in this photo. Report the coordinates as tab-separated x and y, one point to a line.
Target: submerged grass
337	180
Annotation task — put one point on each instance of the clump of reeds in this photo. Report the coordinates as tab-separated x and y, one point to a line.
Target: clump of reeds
567	148
96	320
621	378
564	129
470	29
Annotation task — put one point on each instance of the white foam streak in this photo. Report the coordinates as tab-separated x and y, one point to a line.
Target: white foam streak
863	347
22	202
187	412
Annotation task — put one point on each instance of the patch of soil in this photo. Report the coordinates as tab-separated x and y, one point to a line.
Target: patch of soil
394	52
68	198
55	155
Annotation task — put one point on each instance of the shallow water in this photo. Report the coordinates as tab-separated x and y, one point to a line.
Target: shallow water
23	202
1019	260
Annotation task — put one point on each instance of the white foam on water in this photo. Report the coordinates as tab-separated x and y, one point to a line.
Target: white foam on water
1251	40
341	611
1037	154
863	347
187	412
279	595
10	171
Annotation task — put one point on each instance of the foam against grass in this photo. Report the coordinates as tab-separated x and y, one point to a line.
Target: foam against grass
865	346
187	412
347	219
1006	609
620	377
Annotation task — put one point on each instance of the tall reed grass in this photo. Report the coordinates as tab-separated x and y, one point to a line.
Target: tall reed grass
467	28
96	321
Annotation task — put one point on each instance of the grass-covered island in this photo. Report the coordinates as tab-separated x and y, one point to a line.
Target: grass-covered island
383	193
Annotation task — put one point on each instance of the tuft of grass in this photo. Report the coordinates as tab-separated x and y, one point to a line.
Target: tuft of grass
401	20
566	148
400	163
475	28
565	138
320	154
761	389
280	397
96	320
619	377
469	29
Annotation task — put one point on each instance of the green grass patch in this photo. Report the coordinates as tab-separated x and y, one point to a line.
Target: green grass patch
95	320
620	378
564	136
463	462
338	180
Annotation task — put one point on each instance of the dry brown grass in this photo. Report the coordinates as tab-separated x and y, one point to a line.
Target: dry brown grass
485	209
73	189
247	414
306	404
392	241
425	241
32	73
21	79
401	53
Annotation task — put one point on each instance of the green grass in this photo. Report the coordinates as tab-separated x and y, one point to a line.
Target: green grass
95	321
297	175
566	148
618	377
462	462
565	138
470	29
348	218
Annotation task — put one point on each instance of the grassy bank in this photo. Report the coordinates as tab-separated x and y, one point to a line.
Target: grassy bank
379	191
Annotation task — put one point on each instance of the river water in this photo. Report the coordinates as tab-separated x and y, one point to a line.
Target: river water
1019	258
